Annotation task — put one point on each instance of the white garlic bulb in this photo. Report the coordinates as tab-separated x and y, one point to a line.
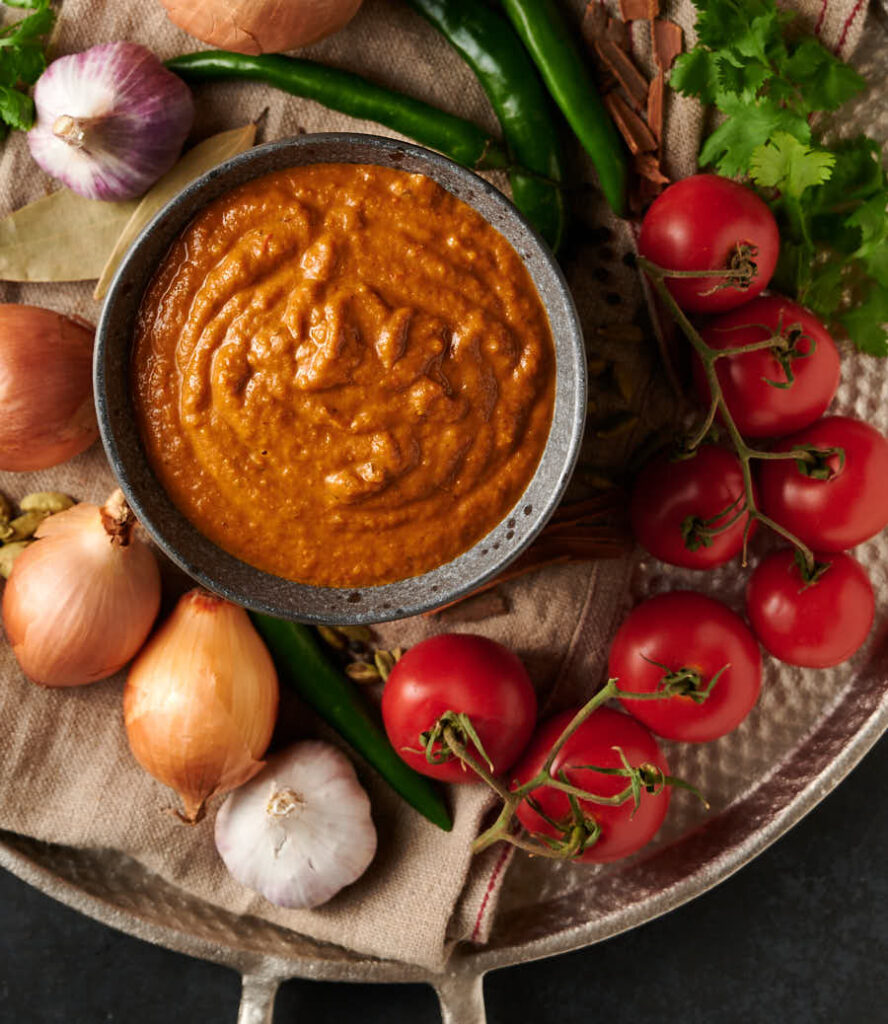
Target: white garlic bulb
300	830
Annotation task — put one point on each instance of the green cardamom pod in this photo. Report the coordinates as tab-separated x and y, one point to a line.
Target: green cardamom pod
361	672
25	525
8	554
360	634
385	662
332	637
46	501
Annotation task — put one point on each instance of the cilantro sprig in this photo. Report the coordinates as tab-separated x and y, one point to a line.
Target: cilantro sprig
22	62
774	85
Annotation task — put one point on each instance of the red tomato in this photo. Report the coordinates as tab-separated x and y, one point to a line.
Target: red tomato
758	392
847	508
671	495
815	624
467	674
623	828
684	631
698	224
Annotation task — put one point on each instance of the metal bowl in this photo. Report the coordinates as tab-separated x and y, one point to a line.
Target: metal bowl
242	583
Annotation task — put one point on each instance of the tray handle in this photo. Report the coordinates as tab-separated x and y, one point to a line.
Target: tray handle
462	998
257	999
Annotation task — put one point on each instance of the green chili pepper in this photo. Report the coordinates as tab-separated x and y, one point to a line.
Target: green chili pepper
300	662
546	35
487	43
351	94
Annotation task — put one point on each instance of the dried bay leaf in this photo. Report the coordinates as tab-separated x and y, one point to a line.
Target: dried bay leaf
197	161
65	237
62	237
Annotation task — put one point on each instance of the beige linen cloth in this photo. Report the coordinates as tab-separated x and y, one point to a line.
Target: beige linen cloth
66	772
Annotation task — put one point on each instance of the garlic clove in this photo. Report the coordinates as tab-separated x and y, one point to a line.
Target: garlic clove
301	830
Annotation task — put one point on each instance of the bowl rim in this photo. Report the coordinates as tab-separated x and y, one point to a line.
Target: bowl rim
244	584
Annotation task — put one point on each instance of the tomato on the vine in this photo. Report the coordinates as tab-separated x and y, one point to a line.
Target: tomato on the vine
816	623
777	390
599	741
466	675
697	649
690	510
841	499
706	222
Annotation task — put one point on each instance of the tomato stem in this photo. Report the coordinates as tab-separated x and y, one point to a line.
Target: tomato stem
708	357
453	742
582	830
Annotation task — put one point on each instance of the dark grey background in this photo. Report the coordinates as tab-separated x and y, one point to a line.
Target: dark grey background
800	935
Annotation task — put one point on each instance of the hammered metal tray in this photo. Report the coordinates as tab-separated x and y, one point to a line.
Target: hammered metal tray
807	733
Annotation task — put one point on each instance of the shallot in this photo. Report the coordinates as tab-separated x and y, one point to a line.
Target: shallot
46	405
81	601
110	120
201	700
299	831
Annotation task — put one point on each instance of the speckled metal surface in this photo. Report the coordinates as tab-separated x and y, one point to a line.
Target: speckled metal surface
243	583
809	730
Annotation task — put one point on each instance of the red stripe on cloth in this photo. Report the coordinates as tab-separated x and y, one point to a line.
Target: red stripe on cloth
852	17
488	892
821	17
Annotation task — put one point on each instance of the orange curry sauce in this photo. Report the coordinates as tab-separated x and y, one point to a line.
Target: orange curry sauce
343	375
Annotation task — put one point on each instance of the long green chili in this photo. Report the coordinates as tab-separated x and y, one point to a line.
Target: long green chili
553	47
489	45
301	663
351	94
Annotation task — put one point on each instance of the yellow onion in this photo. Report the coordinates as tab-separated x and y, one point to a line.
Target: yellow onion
46	403
201	701
81	601
260	26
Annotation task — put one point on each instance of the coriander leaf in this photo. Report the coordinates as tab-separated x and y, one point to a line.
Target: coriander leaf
762	37
866	324
738	23
857	173
693	74
746	127
876	263
871	218
823	294
824	81
830	233
791	166
22	61
35	25
744	78
16	109
31	62
830	199
24	64
793	265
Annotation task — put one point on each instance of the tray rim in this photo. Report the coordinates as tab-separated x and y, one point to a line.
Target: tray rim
839	742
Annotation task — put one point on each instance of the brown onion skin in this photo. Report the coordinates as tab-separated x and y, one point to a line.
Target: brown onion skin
47	414
45	582
260	26
190	723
